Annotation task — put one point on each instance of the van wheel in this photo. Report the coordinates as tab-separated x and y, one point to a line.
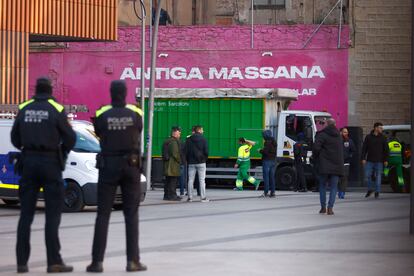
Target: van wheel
11	202
73	198
285	178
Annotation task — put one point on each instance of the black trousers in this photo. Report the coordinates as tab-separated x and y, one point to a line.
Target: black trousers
170	187
300	176
116	172
40	171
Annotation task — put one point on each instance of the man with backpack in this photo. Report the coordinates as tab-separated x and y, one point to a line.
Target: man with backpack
171	155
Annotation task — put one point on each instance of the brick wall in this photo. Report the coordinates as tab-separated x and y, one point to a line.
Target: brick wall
379	63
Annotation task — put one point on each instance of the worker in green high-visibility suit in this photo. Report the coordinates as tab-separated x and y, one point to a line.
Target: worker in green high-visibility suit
395	159
243	163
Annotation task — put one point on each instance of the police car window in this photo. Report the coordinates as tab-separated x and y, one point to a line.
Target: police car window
86	142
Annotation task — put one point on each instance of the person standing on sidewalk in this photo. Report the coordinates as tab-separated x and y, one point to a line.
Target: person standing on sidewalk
42	132
349	150
243	163
328	150
269	163
197	154
300	153
118	127
374	157
172	160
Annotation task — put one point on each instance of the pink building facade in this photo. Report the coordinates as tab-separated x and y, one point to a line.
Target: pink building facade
206	57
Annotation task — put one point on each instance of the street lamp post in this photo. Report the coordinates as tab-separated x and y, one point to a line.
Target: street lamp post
151	94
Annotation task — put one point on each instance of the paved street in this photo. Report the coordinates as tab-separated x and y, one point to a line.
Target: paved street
238	234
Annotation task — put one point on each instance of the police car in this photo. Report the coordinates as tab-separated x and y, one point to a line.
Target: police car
80	175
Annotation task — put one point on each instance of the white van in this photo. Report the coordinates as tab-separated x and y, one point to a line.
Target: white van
80	175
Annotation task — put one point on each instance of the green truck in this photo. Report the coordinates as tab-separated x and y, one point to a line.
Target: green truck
225	119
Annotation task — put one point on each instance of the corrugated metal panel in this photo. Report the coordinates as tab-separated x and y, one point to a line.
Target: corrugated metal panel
224	120
14	63
86	19
82	19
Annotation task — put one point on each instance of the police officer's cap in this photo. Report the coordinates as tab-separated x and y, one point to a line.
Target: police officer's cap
43	86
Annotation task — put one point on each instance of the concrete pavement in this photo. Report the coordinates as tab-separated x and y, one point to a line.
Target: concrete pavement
238	234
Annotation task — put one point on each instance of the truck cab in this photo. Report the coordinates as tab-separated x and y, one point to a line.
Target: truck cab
80	175
291	125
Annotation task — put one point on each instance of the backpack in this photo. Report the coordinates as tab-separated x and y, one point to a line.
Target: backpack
165	150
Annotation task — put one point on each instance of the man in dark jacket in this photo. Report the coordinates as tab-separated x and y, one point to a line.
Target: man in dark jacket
197	153
119	127
269	163
374	156
328	150
349	150
172	162
42	132
300	152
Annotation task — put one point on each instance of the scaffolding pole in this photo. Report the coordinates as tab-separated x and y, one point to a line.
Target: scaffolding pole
320	25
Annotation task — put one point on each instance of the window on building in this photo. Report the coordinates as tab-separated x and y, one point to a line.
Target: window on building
269	4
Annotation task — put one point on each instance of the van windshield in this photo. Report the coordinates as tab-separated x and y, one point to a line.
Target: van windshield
86	142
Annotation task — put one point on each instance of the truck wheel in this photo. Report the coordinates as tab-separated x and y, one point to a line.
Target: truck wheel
11	202
73	198
285	178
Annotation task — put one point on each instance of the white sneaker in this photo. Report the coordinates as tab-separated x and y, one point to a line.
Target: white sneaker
205	200
189	200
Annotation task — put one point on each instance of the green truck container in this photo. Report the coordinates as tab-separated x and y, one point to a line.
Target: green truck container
224	120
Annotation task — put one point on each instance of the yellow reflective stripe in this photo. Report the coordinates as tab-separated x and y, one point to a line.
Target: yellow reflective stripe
135	109
102	110
9	186
22	105
12	186
58	107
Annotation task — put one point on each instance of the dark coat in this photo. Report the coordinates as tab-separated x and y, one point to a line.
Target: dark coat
196	149
172	166
269	150
375	148
328	150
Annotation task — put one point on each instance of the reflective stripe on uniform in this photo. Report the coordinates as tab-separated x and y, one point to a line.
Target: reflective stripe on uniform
244	153
12	186
102	110
395	148
135	109
9	186
56	105
22	105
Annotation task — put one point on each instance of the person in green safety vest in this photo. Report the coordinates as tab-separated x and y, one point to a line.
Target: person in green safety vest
243	163
395	159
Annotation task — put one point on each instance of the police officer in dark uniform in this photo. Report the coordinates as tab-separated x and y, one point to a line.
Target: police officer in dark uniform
119	127
42	132
300	153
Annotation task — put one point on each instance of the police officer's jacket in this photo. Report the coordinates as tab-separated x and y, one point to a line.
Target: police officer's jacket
119	129
41	125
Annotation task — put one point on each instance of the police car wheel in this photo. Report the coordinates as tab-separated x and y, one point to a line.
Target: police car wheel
285	178
11	202
73	199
